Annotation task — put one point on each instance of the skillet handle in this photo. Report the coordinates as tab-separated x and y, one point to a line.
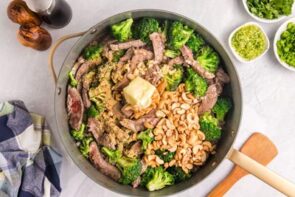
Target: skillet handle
262	172
53	49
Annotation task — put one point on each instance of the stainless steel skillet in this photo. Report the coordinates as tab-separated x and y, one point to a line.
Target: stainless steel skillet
224	147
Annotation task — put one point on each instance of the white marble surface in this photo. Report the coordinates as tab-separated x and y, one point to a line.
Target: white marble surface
268	88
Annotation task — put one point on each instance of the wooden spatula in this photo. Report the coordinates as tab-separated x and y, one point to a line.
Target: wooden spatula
257	147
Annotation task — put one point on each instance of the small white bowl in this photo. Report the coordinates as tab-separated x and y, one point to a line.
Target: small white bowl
263	20
234	51
281	29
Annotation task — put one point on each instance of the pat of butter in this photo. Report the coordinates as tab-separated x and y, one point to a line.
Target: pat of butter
139	92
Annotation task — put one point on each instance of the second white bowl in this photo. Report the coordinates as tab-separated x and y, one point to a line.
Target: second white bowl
234	51
281	29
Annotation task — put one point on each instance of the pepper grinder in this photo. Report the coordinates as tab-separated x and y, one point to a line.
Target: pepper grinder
55	13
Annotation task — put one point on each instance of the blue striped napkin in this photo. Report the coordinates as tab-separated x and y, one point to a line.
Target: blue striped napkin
29	166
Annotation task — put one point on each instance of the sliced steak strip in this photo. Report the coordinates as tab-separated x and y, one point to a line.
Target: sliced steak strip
140	55
133	125
127	45
108	140
107	52
138	125
95	127
86	81
209	100
85	98
158	46
106	168
127	56
117	111
221	79
153	74
222	76
127	110
83	69
135	150
177	60
75	108
122	84
76	66
189	59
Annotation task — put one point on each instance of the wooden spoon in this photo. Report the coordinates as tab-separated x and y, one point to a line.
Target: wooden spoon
257	147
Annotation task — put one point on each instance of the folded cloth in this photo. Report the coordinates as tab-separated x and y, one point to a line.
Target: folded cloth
29	166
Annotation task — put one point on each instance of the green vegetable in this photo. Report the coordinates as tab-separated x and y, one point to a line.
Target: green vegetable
117	55
195	84
113	155
144	27
249	42
165	28
286	45
171	53
122	31
147	175
195	42
78	135
146	137
270	9
222	106
73	81
165	155
92	112
85	145
208	59
99	106
209	126
92	52
178	174
156	178
130	168
178	34
174	77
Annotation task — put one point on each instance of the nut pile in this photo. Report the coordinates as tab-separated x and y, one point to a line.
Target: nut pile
178	131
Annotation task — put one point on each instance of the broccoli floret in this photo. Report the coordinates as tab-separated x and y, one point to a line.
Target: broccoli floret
144	27
130	168
122	31
208	59
165	155
117	55
85	145
179	34
146	137
209	126
92	52
195	84
73	81
174	78
92	112
195	42
113	155
78	135
147	175
222	106
171	53
165	28
156	178
99	106
178	174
